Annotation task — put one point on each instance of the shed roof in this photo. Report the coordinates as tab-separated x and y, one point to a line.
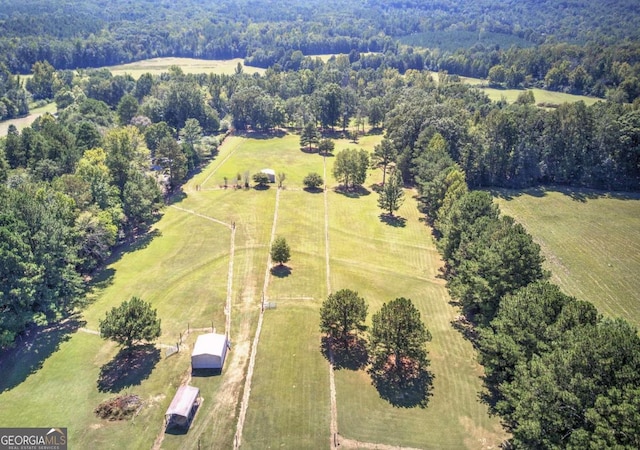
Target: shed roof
210	344
268	171
183	401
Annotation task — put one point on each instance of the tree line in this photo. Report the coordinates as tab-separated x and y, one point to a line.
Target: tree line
537	46
558	373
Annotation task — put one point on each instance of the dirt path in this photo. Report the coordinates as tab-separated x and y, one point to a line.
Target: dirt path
227	308
227	396
213	172
228	225
350	443
333	427
254	348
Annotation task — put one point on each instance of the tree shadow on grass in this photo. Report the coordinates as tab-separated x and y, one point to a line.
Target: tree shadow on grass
351	355
281	271
406	386
393	221
31	350
128	368
354	192
313	190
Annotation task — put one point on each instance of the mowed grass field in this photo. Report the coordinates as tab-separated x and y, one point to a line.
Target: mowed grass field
590	241
183	268
381	262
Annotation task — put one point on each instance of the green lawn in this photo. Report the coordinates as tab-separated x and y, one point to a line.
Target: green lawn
541	95
289	405
590	241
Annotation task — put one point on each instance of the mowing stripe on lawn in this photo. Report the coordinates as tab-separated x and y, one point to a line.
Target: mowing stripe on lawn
256	339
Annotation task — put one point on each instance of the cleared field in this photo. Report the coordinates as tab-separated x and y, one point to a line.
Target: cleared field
541	95
24	122
156	66
289	405
86	370
590	241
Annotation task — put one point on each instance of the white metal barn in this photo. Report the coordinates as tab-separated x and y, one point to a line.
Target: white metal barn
209	352
271	174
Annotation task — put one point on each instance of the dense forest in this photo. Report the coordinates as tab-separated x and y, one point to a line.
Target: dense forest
76	185
584	47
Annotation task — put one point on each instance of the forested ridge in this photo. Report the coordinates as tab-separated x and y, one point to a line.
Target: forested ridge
77	185
580	47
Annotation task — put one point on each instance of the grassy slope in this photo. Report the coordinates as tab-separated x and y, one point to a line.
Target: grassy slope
590	242
24	122
65	390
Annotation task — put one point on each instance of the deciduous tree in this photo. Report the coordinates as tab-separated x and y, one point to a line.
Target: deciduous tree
313	181
280	251
351	166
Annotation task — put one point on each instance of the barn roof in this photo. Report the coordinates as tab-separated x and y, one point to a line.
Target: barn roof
183	401
210	344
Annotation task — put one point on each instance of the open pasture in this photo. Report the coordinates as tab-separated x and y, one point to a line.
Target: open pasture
156	66
542	96
590	241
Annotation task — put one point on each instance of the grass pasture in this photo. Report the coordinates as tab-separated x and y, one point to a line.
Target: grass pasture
542	96
590	242
156	66
182	270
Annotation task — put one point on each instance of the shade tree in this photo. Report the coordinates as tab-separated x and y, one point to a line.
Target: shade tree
313	181
398	337
131	323
280	250
383	155
309	136
342	314
391	196
350	167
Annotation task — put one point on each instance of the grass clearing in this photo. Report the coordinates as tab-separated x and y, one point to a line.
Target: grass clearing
541	95
23	122
156	66
590	242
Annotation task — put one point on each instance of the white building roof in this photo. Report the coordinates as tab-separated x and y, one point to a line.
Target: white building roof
210	344
183	401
